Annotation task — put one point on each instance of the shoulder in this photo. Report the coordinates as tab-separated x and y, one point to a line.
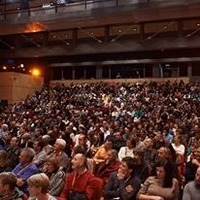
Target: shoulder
51	198
58	174
33	167
136	179
151	179
175	181
113	174
189	185
89	174
64	155
122	148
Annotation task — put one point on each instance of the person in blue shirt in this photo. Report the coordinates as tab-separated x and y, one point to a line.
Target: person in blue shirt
25	169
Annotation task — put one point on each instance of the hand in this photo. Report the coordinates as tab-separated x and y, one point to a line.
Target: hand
158	198
195	161
20	182
120	175
129	188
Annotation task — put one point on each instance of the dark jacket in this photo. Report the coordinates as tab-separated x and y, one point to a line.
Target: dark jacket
117	188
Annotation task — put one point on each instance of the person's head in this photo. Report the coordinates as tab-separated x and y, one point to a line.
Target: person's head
4	160
59	145
46	139
130	143
14	143
127	165
26	137
197	153
51	165
82	139
38	184
79	149
163	153
7	136
38	132
26	156
4	127
112	154
138	156
38	145
117	135
148	143
79	161
197	177
177	139
7	183
158	137
164	173
108	144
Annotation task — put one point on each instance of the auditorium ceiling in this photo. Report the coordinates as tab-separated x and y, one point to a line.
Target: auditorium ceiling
117	29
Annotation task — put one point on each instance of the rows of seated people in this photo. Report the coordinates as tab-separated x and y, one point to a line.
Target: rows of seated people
103	141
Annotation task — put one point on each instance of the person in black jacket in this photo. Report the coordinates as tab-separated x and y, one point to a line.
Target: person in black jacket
123	184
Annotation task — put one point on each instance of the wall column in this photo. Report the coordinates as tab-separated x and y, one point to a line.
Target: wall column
156	71
189	70
73	73
99	72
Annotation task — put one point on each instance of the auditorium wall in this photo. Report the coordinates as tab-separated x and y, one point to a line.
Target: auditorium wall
15	87
121	80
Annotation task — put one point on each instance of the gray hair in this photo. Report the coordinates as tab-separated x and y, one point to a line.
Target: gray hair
30	152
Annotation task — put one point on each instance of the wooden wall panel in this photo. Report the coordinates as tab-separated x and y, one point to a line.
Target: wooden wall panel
15	87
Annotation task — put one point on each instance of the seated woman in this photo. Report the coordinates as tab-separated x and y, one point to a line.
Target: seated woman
4	162
162	186
55	174
9	190
128	149
38	186
104	169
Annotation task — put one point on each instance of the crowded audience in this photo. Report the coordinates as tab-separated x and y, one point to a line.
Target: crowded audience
102	141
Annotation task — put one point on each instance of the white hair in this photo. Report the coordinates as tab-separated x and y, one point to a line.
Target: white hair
61	142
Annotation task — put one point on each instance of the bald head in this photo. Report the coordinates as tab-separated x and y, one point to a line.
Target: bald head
78	161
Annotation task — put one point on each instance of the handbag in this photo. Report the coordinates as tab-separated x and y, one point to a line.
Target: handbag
75	195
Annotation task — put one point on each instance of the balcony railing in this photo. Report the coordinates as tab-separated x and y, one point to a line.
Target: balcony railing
11	7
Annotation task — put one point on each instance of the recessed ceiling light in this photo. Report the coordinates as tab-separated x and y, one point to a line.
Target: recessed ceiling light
119	30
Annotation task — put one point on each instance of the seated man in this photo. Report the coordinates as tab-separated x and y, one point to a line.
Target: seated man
104	169
25	169
64	160
8	189
102	153
81	181
192	189
123	184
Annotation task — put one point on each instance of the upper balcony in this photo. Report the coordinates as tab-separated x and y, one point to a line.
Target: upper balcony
69	14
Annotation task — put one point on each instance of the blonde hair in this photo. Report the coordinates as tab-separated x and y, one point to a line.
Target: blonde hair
40	181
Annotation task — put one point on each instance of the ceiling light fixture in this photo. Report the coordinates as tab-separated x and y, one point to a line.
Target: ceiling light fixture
6	44
159	31
122	32
91	35
31	40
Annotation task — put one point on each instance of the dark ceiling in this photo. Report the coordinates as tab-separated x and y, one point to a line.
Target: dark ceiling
105	30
